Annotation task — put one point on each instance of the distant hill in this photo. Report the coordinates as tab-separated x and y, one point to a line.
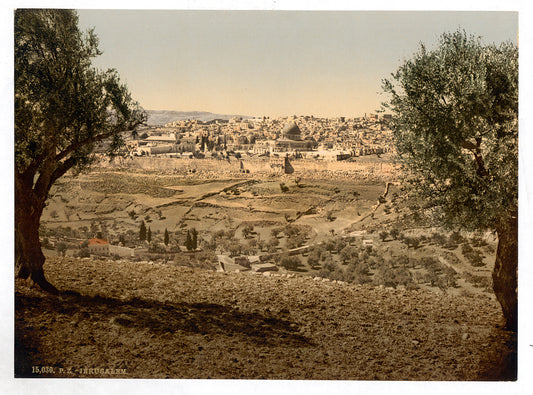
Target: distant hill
162	117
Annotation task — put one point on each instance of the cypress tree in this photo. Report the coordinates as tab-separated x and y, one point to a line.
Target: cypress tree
167	237
142	231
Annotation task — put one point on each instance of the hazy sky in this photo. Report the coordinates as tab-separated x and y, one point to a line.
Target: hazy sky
275	63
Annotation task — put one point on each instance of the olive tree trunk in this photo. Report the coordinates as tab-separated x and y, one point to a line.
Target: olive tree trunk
29	258
504	276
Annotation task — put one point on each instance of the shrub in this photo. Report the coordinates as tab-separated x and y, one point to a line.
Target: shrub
478	281
440	239
456	238
478	241
290	262
247	231
276	231
349	254
475	258
46	243
61	248
466	249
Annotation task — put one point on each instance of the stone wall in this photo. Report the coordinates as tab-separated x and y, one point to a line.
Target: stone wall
302	167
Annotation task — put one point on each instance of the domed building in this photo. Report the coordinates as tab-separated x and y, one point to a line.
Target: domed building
291	131
291	140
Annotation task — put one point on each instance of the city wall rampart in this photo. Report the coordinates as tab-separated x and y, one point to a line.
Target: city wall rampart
254	166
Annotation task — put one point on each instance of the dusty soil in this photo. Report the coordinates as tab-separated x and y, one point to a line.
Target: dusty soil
155	321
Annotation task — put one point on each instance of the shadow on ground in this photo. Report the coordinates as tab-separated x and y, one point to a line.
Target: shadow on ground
139	314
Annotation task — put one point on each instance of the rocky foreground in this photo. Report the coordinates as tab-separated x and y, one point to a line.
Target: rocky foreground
140	320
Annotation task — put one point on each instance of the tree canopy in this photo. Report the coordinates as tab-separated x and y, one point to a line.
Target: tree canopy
63	105
455	122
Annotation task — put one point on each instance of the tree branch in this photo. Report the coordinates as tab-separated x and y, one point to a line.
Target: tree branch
93	139
475	149
62	169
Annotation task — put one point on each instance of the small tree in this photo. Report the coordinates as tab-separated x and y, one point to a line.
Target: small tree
349	254
188	241
149	235
313	260
383	235
166	238
61	248
142	231
290	262
276	231
247	231
194	238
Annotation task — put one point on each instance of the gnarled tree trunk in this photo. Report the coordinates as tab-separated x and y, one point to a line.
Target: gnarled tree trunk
505	273
29	258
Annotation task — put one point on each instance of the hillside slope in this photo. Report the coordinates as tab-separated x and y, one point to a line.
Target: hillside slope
157	321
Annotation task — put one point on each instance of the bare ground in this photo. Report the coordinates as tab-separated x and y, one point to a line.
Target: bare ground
157	321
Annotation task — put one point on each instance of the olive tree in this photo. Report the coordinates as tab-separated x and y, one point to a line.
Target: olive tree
455	122
64	108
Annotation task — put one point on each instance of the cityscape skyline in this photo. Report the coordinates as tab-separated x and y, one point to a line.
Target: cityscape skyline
272	63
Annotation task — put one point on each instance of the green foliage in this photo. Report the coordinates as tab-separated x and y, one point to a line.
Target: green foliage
475	258
455	123
456	238
440	239
466	249
84	252
142	231
192	241
61	248
247	230
349	254
166	237
295	241
46	243
412	241
149	235
290	262
383	235
478	281
478	241
63	106
276	231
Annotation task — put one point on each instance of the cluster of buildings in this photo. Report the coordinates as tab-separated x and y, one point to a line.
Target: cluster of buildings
102	247
304	136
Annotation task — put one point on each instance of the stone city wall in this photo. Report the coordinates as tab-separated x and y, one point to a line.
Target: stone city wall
254	166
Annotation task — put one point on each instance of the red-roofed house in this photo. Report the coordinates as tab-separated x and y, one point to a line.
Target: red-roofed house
98	246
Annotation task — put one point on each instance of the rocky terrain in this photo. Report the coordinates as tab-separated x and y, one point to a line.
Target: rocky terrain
142	320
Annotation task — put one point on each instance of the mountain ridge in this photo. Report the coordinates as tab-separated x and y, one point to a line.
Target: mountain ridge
162	117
